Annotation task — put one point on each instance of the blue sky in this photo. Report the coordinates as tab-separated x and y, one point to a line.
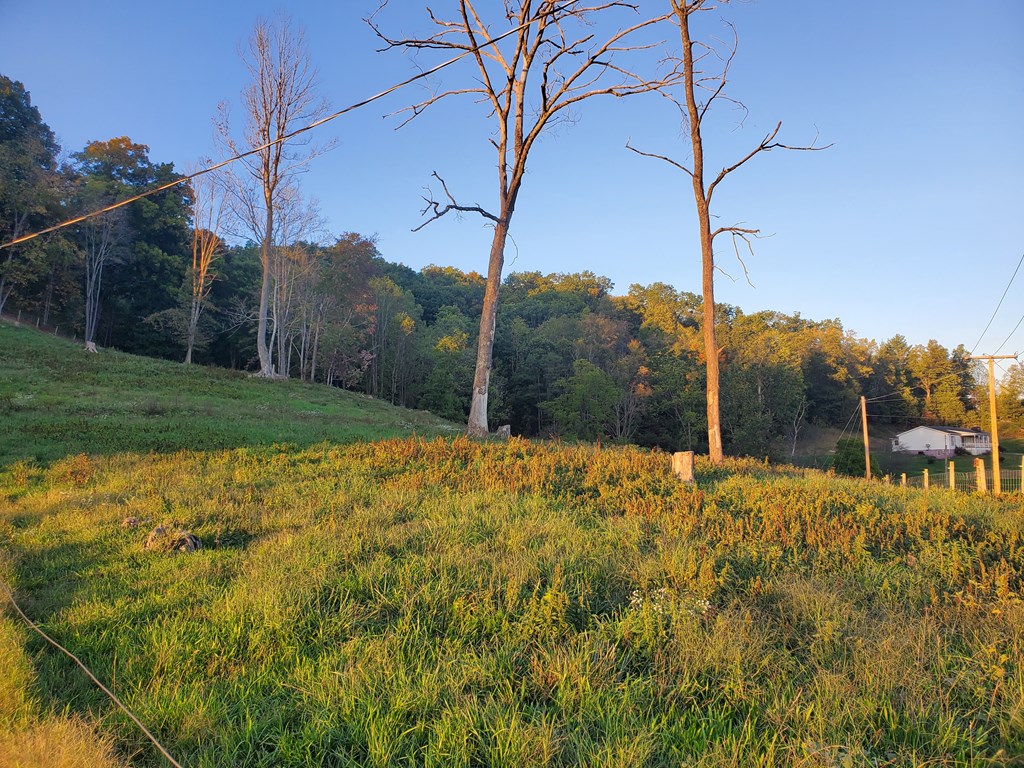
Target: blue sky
909	224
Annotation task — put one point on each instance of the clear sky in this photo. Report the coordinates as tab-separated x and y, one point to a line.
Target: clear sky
910	223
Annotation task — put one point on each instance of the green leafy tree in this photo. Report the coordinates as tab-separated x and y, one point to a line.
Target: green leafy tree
446	389
147	242
947	406
30	192
395	318
849	458
930	366
890	384
584	405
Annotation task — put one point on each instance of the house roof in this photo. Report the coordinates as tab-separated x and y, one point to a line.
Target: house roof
948	430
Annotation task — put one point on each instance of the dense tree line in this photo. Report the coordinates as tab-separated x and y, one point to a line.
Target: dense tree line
571	358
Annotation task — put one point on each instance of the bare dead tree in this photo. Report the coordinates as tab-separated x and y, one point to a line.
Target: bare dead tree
550	61
298	224
101	240
207	207
702	87
281	96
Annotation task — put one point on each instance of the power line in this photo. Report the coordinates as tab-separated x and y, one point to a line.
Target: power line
996	310
286	137
1011	334
35	627
887	395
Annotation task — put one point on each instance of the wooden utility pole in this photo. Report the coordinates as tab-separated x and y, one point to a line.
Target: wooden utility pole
997	480
867	450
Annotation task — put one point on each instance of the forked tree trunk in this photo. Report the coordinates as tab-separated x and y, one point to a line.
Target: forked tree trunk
485	342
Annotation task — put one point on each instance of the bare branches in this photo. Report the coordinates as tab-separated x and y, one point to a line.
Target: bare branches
550	63
767	145
550	60
452	205
668	160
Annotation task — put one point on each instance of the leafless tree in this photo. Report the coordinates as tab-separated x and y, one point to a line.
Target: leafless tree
549	60
281	96
101	240
703	73
207	207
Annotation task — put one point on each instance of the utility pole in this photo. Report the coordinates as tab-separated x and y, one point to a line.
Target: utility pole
867	450
997	481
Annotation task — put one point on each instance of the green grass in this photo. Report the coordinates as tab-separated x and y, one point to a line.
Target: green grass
439	602
914	465
57	400
452	603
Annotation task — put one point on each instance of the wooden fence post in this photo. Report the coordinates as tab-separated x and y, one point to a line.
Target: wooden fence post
682	465
903	479
926	478
952	476
979	472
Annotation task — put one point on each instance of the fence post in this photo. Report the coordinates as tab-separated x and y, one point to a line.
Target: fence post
952	476
979	471
682	465
18	321
903	479
926	478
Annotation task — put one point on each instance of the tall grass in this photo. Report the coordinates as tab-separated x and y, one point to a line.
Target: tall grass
431	602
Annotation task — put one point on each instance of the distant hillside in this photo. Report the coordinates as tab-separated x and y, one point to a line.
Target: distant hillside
56	400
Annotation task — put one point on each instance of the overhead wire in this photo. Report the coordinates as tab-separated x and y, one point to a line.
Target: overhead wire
1010	336
996	310
280	139
35	628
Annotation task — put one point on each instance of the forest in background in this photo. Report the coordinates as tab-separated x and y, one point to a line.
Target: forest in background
165	277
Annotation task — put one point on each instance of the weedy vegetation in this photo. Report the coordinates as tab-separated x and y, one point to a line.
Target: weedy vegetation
442	602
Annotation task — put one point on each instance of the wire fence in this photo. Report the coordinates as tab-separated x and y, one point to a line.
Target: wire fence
1010	481
30	320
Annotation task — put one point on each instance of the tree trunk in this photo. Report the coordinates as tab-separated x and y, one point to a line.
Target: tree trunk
193	324
707	254
4	292
47	301
262	348
315	351
485	342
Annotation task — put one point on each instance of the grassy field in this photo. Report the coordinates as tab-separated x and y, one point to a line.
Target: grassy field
441	602
56	400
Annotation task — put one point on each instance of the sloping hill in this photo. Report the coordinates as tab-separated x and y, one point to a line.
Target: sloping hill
56	400
455	603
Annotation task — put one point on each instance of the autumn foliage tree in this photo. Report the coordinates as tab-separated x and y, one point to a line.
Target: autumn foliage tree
207	206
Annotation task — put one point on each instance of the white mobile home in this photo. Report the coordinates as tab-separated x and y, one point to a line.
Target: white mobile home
942	442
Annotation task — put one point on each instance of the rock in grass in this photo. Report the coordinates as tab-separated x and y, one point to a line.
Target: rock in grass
130	522
162	539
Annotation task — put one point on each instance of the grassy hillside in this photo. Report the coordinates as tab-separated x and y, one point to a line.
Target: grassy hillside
57	400
449	603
